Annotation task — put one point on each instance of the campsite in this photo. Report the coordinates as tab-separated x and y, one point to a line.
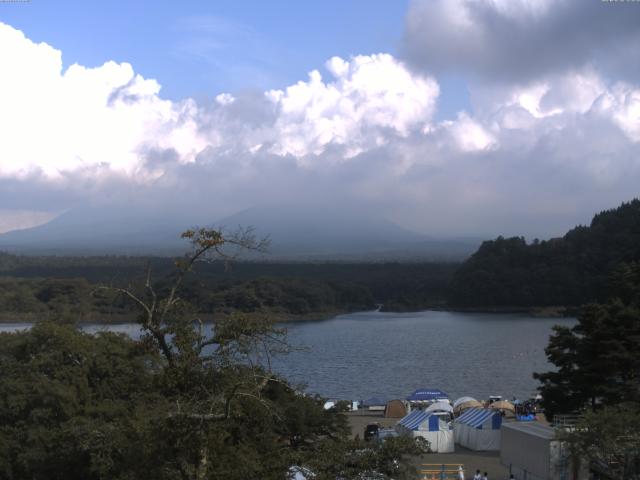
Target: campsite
490	435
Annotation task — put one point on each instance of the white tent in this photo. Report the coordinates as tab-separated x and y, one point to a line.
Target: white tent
440	407
429	426
478	429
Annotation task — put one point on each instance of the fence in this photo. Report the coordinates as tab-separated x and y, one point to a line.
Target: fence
566	421
441	471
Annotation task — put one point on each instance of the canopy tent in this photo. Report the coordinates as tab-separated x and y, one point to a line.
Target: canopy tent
439	407
395	409
427	395
463	400
478	429
429	426
461	407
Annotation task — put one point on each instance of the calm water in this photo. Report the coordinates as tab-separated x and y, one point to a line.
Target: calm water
360	355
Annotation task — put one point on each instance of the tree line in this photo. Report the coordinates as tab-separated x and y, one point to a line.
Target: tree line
568	271
65	287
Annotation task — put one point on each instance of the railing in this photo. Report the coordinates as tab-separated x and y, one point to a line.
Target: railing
566	421
440	471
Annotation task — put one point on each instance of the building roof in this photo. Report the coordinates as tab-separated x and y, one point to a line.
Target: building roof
532	428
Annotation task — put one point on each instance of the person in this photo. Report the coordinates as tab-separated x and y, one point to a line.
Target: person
484	477
460	473
477	476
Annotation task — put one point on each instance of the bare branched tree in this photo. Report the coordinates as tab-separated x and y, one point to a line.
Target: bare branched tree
206	245
214	367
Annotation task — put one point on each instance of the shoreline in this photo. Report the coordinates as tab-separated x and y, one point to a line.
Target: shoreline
282	317
533	311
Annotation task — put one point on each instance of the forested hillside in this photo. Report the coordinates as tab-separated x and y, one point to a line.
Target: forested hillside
567	271
65	287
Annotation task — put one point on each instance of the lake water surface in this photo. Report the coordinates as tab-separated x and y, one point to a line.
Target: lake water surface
360	355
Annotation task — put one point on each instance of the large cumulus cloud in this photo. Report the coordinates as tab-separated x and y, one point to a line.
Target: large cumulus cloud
533	157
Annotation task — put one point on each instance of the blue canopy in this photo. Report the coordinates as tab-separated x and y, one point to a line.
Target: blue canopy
419	417
427	394
476	417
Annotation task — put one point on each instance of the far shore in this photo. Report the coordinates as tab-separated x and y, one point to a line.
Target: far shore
542	312
282	317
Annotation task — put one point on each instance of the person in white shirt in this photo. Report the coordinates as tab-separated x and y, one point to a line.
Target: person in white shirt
484	477
460	473
477	476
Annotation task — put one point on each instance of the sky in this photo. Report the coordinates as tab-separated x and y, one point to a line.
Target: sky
448	117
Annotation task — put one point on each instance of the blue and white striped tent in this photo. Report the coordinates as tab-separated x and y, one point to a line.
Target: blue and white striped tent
478	429
420	420
429	426
477	418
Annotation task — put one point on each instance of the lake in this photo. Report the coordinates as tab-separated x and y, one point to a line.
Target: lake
360	355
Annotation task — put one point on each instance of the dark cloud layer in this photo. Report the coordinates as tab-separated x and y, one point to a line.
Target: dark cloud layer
520	40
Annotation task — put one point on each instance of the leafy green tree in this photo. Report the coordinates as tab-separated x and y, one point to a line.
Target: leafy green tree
71	404
609	440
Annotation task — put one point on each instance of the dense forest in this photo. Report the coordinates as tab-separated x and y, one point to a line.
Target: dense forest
66	287
567	271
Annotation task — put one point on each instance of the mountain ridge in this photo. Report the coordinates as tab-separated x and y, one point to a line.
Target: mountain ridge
297	233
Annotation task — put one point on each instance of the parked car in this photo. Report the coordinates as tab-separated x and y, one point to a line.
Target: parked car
371	431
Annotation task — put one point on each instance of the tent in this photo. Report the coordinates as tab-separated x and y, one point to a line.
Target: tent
478	429
395	409
427	395
440	407
461	407
429	426
463	400
504	405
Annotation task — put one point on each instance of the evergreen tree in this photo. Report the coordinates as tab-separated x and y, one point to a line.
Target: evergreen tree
598	359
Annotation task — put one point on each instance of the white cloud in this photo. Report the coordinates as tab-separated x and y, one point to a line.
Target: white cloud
469	135
533	156
366	95
623	104
225	99
54	121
